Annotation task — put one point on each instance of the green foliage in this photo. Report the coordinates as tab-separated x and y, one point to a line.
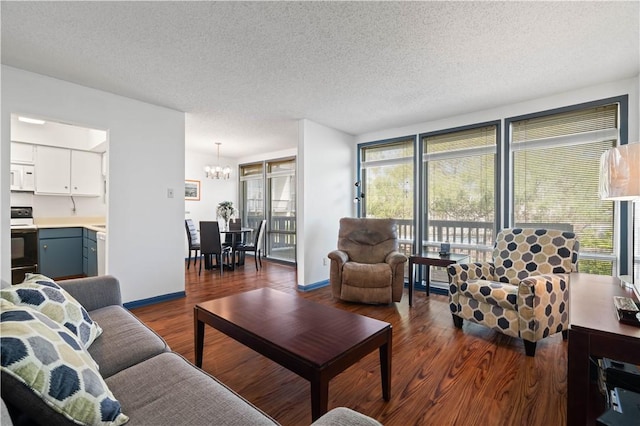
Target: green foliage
462	189
390	192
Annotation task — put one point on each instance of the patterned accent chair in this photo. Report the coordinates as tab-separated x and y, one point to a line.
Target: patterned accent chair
367	266
524	291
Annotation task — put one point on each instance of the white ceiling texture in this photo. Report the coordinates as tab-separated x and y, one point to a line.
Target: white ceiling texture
244	72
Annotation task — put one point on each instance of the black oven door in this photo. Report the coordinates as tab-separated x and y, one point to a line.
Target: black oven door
24	253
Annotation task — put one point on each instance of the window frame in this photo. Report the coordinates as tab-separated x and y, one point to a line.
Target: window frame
622	211
423	184
361	201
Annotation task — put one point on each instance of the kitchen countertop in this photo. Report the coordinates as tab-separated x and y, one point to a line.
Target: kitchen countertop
97	224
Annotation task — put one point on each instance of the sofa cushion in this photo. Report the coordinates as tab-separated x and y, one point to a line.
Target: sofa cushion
125	340
366	275
492	293
44	295
168	390
367	240
53	365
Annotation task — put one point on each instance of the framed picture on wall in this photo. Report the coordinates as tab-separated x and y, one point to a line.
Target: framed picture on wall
192	190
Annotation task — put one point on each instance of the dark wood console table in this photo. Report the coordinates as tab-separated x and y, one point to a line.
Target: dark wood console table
594	332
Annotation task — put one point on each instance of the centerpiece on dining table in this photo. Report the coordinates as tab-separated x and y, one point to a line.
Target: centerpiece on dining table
226	211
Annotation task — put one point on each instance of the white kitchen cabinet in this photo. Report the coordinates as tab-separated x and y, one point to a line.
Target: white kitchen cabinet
61	171
21	153
53	170
86	173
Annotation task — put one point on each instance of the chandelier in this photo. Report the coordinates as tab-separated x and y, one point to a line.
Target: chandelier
218	172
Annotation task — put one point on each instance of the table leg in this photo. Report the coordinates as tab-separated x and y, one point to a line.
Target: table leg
410	282
427	283
198	332
577	377
319	397
385	367
233	250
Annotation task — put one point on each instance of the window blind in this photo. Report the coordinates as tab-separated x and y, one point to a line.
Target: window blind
555	161
460	168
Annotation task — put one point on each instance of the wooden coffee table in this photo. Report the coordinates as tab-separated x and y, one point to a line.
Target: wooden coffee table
315	341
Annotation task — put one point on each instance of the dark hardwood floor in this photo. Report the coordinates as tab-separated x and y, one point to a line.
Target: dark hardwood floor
440	375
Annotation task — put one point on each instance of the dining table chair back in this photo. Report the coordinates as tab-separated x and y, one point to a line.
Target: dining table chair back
211	245
257	245
194	241
234	225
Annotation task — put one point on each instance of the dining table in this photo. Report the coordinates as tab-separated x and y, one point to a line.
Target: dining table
235	233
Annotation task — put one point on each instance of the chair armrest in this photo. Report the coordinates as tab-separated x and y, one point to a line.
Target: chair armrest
543	305
395	258
459	273
94	292
339	256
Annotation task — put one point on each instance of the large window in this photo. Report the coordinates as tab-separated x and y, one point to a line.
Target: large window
387	179
555	164
535	170
459	195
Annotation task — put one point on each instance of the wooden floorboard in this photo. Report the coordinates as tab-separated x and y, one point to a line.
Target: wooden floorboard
440	375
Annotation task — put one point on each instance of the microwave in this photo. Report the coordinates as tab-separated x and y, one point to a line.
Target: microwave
22	177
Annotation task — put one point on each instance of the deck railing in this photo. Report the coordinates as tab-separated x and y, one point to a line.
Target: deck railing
466	237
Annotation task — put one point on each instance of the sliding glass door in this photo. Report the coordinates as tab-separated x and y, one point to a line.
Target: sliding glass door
252	194
281	228
276	179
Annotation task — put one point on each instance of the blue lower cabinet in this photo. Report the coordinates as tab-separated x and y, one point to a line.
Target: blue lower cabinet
92	258
60	252
89	253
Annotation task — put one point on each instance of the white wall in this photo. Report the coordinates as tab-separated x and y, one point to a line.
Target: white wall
326	174
212	191
146	158
48	206
616	88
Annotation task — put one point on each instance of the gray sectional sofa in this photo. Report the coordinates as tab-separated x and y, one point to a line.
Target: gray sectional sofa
154	385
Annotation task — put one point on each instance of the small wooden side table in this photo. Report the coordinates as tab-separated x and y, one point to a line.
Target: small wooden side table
430	259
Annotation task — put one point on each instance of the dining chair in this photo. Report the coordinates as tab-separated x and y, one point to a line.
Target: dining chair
234	225
211	245
194	241
256	247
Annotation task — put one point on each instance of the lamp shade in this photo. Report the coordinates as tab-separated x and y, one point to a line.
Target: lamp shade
620	173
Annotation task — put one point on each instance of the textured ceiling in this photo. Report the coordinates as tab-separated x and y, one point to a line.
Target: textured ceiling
244	72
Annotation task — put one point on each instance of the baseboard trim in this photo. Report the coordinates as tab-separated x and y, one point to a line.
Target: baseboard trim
154	300
314	286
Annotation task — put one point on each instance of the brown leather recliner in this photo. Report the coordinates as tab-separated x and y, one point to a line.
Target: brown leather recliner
367	266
